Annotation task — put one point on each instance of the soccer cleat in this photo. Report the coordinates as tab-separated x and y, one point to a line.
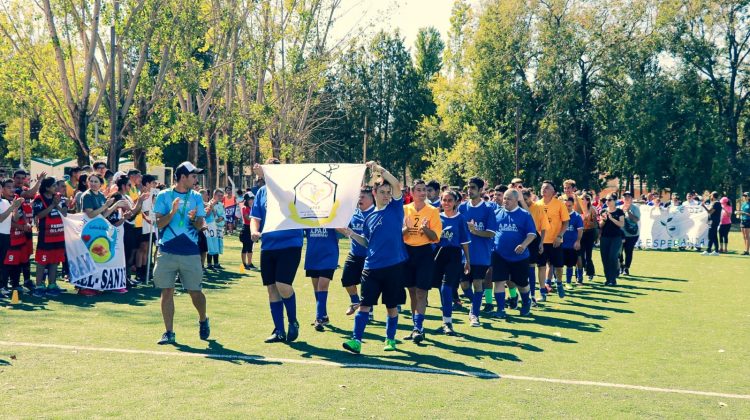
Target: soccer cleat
318	325
218	267
204	329
626	271
29	285
488	307
560	290
133	283
543	298
39	292
325	320
474	321
275	337
418	337
354	346
292	331
448	329
352	309
167	338
501	315
4	292
525	311
411	335
390	345
513	302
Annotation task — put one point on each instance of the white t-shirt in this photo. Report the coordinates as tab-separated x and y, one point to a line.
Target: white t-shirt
146	207
5	224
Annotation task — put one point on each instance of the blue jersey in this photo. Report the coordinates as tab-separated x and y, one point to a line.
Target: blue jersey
279	239
357	225
383	232
179	236
512	229
455	232
571	234
483	216
435	203
322	249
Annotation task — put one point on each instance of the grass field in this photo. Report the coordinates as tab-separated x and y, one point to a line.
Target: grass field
681	322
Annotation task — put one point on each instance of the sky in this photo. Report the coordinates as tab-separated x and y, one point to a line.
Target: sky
408	16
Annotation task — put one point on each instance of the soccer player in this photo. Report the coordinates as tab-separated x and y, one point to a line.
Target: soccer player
515	232
572	242
383	272
482	226
558	218
134	225
321	259
422	227
280	254
27	193
180	215
148	184
448	266
9	206
433	193
355	261
247	242
49	210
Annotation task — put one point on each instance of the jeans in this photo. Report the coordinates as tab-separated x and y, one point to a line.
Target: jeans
713	237
609	247
587	248
626	257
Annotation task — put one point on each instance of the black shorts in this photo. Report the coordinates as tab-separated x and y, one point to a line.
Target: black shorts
386	281
534	249
551	255
745	224
353	267
515	271
246	239
132	239
478	272
144	238
279	265
320	273
448	267
202	243
570	257
419	267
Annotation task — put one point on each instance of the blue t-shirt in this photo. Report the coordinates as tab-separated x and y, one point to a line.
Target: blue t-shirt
571	234
279	239
322	249
483	216
435	203
455	231
179	236
512	229
357	225
383	232
746	209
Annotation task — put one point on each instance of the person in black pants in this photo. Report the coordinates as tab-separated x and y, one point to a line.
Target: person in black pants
630	231
714	218
590	235
611	222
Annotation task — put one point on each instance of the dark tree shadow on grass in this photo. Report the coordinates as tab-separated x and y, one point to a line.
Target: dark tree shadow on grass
217	351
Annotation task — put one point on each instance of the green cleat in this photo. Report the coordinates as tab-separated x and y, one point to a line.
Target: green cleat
354	346
390	345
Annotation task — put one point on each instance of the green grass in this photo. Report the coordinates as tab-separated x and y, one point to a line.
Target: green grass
663	327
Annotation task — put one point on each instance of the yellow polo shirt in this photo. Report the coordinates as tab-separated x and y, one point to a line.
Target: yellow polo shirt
556	215
413	220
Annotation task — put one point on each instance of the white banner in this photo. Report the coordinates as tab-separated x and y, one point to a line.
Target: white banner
96	252
673	227
311	195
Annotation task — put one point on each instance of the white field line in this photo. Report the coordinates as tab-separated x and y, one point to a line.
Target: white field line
416	369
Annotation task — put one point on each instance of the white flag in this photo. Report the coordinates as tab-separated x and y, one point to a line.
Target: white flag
676	226
95	251
311	195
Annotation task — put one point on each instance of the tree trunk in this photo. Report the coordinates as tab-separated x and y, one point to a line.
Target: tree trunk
210	158
82	150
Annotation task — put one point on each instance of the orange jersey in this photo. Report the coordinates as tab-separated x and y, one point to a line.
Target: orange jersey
413	220
556	215
540	218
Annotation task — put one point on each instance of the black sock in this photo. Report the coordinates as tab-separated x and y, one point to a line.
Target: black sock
26	269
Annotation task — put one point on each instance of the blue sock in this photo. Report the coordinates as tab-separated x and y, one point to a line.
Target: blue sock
476	302
290	304
446	299
354	298
525	301
320	308
568	274
277	313
360	322
418	322
468	294
532	280
500	299
390	327
579	274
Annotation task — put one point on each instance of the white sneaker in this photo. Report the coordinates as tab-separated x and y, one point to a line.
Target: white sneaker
474	321
714	254
4	292
704	253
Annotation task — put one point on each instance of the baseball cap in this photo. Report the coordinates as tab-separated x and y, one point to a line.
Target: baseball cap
627	194
186	168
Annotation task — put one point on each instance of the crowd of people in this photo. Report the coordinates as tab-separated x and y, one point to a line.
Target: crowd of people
492	249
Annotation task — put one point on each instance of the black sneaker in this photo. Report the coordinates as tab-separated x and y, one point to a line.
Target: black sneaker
411	335
513	302
488	307
325	320
448	329
318	325
218	267
133	283
167	338
418	336
626	271
204	329
29	285
292	331
275	337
